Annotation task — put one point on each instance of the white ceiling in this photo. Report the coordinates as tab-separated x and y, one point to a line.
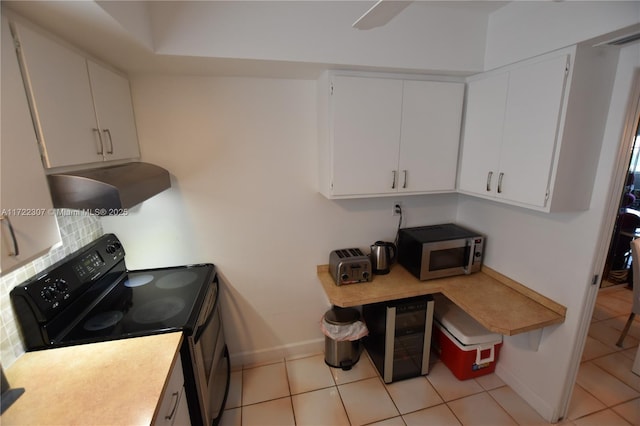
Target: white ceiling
125	33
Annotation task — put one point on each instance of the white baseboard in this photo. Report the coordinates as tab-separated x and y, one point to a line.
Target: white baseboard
542	407
277	353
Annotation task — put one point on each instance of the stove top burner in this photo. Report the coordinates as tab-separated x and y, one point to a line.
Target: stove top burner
158	310
103	320
91	296
138	280
177	280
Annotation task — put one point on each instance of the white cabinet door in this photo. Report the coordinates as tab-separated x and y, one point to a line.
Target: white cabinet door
486	103
172	407
25	202
430	135
58	81
531	130
366	134
112	102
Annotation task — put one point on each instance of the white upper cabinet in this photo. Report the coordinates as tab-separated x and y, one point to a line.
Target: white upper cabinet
533	130
28	226
511	130
82	110
382	135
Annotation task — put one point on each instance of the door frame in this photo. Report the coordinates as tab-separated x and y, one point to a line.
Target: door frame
621	170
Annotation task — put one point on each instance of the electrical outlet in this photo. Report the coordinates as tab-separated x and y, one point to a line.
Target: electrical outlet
397	209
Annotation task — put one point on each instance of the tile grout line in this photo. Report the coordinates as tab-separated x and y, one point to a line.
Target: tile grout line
344	407
286	375
501	407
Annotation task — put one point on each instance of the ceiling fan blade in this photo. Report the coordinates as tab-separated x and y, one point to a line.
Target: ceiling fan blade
380	13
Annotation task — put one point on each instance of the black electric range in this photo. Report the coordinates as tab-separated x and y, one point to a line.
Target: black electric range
90	296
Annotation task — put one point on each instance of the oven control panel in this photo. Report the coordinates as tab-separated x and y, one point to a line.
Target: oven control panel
88	264
66	281
54	291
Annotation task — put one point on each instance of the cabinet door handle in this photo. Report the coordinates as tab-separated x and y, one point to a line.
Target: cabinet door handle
175	406
404	182
500	176
101	150
489	177
108	133
16	250
393	184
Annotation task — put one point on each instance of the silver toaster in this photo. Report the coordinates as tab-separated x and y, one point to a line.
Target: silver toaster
349	266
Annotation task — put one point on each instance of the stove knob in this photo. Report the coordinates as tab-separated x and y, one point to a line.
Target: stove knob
113	247
61	286
48	294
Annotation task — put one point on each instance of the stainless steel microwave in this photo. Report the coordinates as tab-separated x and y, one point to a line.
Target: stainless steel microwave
438	251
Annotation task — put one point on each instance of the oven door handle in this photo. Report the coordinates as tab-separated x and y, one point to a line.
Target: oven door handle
210	309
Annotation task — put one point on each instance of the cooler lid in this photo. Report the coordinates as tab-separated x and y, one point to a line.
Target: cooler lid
460	324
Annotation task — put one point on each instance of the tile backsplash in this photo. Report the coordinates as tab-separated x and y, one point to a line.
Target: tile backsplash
75	231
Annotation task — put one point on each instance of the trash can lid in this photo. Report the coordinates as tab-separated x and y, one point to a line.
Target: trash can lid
338	315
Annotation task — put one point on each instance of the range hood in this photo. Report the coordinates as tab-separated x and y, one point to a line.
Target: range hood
106	190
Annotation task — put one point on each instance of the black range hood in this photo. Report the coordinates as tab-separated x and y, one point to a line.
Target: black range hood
109	189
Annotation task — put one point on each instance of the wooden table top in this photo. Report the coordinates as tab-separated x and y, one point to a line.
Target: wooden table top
495	301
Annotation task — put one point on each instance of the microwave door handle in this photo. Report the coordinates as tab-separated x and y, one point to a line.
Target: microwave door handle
472	249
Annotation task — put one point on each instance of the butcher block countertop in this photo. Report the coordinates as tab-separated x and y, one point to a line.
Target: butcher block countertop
108	383
494	300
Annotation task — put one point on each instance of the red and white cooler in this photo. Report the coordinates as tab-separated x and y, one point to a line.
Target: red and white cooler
466	347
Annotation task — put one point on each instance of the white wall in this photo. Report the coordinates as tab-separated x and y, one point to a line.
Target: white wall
242	153
523	29
554	255
421	37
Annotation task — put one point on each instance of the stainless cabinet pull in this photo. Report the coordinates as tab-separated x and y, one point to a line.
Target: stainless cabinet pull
489	177
108	133
500	176
175	406
16	250
393	184
101	150
404	183
472	251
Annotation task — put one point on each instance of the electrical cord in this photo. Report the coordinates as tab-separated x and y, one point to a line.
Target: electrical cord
398	210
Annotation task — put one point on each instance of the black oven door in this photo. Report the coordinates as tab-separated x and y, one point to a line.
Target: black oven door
210	360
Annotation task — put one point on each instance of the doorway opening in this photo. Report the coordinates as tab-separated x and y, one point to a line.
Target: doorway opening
617	270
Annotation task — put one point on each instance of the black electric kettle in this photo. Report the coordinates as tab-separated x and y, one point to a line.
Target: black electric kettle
383	254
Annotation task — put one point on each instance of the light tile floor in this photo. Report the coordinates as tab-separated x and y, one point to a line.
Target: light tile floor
306	391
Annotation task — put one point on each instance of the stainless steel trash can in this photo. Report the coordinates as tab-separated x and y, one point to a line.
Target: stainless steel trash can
341	354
